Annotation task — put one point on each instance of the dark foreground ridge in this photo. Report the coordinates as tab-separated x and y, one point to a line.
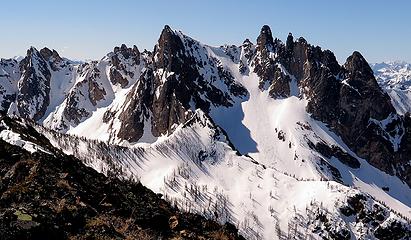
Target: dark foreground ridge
50	195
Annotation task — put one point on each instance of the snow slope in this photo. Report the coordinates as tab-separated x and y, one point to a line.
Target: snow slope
395	78
279	182
197	170
9	75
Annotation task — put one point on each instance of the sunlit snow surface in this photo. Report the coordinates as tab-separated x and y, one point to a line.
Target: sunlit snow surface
395	79
262	192
277	180
13	138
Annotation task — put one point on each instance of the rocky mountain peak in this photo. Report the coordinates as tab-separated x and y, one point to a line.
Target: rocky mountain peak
168	47
356	64
248	52
34	86
247	46
47	54
345	98
265	39
361	77
127	52
44	56
185	91
167	28
31	52
266	64
290	42
123	59
135	49
247	42
52	57
166	33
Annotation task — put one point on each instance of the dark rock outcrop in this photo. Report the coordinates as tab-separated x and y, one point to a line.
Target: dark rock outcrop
180	86
265	39
347	98
334	151
89	91
175	85
272	76
52	57
34	86
374	216
248	52
353	106
173	80
122	59
137	112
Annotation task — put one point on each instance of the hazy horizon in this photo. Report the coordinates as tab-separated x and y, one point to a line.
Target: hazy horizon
89	30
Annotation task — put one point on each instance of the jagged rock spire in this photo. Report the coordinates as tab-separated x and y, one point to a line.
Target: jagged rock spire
48	54
168	47
265	38
290	41
356	64
128	52
135	49
360	76
34	86
247	49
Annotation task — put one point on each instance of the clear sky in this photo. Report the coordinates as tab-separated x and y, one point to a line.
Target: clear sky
88	29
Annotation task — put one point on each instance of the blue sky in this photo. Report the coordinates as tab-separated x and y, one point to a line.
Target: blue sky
88	29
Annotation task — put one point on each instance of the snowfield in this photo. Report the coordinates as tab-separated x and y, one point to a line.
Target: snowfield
274	187
395	79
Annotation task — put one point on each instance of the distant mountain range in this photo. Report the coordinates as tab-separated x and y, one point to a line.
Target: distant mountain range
275	137
395	79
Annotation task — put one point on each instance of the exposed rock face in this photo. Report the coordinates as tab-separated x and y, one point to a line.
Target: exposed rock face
172	70
87	92
359	93
54	196
137	110
34	86
329	151
52	57
245	58
31	82
272	76
177	78
96	92
319	82
122	59
361	78
167	85
184	80
347	97
96	83
352	112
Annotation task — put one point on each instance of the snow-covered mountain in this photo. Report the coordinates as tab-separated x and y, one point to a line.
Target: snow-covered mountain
46	194
277	138
395	79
